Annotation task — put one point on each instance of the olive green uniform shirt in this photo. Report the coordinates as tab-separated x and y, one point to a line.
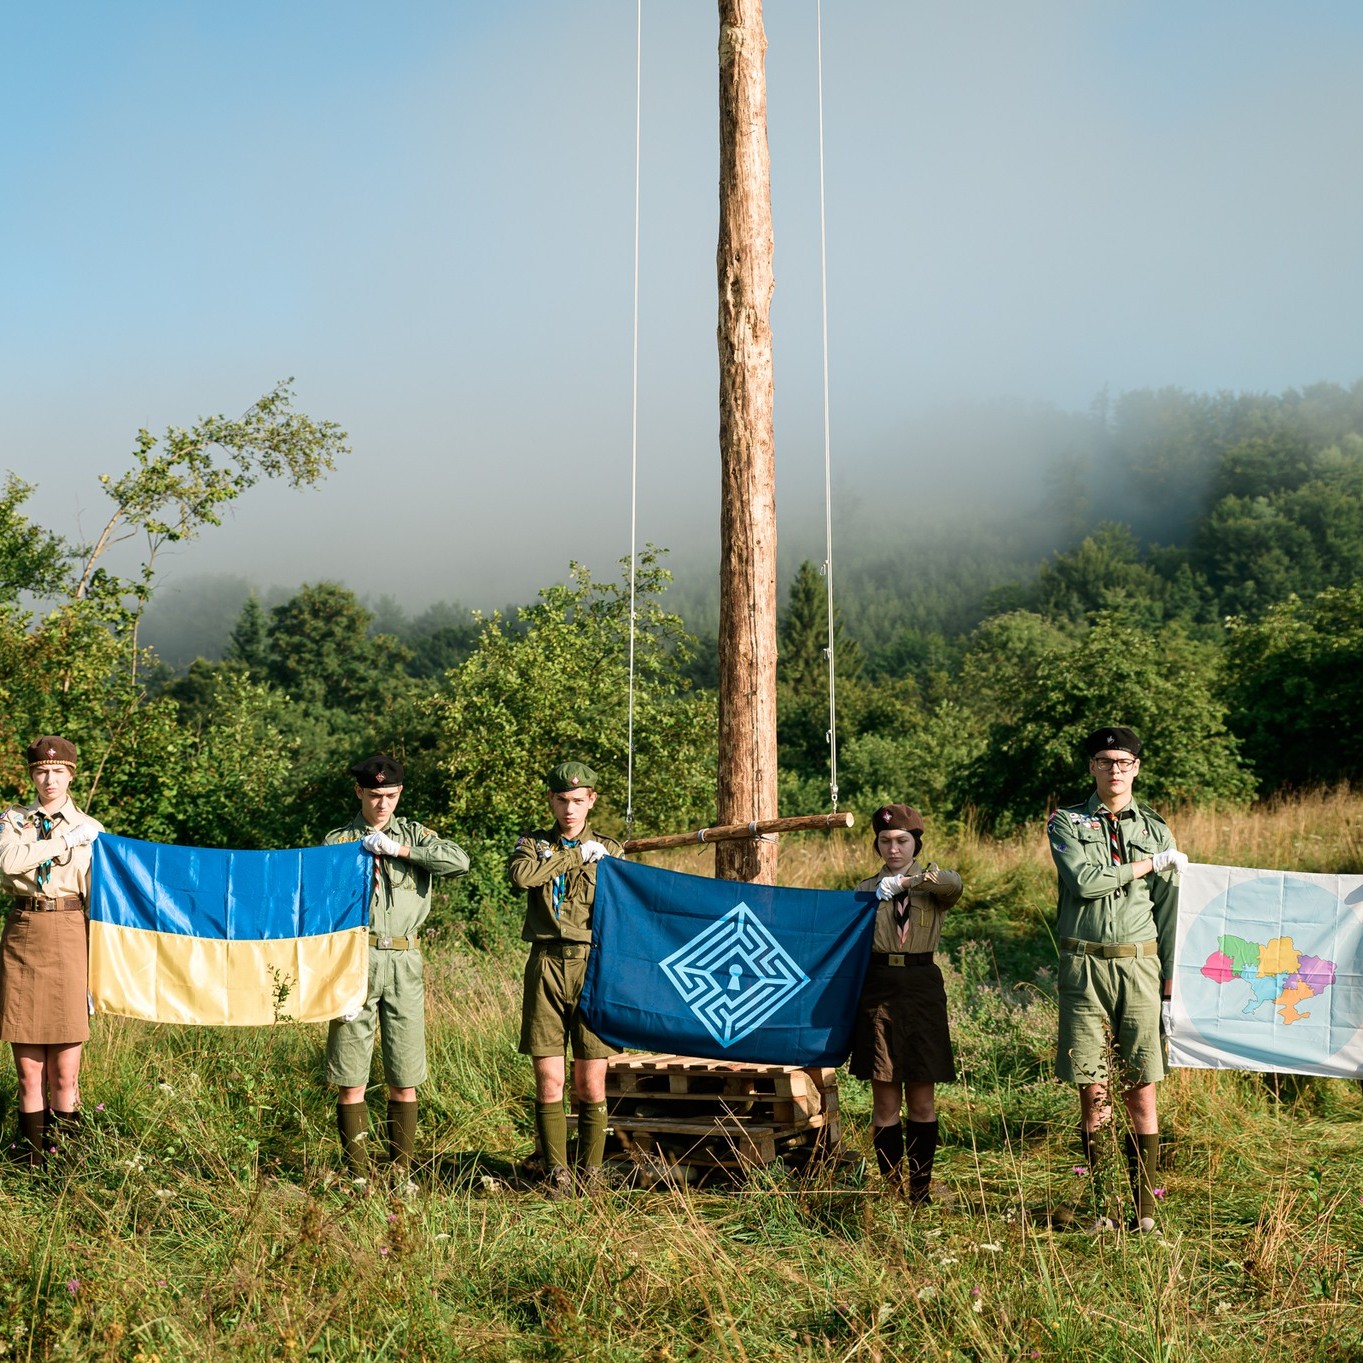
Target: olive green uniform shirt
539	858
934	893
401	898
1100	902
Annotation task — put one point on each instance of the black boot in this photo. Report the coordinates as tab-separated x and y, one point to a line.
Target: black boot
889	1147
31	1147
921	1144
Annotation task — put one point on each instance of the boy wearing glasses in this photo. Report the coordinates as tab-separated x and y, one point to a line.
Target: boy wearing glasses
1116	914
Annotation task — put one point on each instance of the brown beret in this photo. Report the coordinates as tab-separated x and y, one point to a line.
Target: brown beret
902	817
51	750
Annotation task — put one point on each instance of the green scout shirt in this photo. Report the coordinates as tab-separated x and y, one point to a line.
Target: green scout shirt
929	900
402	885
539	858
1100	902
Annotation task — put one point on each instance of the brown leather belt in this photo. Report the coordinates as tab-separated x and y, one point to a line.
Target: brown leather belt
898	958
1109	950
62	903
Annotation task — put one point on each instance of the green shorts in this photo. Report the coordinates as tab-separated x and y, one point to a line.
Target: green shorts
1106	1003
550	1018
397	1007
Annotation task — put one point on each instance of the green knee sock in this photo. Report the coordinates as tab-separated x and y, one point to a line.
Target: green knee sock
401	1132
352	1124
591	1134
551	1126
1142	1155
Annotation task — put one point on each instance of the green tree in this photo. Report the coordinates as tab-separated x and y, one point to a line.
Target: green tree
1294	682
1164	686
558	688
32	559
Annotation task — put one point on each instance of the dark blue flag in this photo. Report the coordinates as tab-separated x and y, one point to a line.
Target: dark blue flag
724	969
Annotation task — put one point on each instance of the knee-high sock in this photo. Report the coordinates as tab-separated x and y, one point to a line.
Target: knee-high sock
401	1132
591	1134
551	1125
920	1142
1142	1156
352	1124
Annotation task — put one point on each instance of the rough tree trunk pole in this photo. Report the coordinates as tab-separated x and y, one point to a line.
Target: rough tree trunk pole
747	592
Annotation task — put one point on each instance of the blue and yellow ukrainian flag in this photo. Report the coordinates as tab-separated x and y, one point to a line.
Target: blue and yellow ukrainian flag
224	938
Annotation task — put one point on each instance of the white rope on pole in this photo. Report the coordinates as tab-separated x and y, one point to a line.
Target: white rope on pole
827	448
634	418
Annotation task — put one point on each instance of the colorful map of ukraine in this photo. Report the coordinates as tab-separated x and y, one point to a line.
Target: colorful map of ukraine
1275	972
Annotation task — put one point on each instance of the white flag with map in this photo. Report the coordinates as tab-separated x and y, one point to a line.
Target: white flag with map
1269	972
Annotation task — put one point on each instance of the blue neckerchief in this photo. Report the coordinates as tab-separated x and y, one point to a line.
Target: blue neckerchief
560	882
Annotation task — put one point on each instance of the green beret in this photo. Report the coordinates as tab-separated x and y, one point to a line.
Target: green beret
571	776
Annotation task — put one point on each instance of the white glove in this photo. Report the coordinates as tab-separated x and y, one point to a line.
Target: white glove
1166	1017
380	844
80	834
1172	858
592	850
890	887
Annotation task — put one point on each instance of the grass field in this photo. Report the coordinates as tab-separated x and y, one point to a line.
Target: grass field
203	1218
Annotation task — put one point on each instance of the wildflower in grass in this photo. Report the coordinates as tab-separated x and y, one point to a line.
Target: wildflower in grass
1081	1170
993	1249
73	1285
976	1299
1159	1192
947	1260
383	1249
926	1293
165	1088
164	1194
99	1107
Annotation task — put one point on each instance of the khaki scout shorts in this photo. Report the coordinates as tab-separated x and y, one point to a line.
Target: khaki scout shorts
1101	1000
549	1012
397	1007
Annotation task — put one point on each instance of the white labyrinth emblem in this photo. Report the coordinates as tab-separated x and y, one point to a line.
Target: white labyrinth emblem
734	975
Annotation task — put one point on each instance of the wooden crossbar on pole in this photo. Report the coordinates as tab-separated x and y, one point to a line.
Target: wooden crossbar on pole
733	832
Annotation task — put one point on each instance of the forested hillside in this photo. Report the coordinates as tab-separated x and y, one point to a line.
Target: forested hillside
1191	565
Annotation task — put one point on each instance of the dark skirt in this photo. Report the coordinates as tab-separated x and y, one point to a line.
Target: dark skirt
43	998
902	1035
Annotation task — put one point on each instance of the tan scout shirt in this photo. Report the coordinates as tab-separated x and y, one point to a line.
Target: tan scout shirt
538	859
22	851
934	893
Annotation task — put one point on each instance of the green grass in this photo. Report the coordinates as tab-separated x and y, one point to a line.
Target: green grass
203	1216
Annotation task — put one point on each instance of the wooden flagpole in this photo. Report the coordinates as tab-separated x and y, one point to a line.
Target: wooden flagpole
746	787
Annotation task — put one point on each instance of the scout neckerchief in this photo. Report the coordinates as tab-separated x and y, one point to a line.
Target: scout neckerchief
1114	836
903	907
44	871
559	885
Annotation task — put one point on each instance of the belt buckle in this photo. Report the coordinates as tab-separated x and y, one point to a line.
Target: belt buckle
384	942
895	958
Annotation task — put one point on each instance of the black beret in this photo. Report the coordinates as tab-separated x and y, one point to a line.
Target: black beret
905	818
571	776
49	749
1115	736
379	772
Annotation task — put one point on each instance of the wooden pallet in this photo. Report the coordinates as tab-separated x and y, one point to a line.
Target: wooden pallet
671	1113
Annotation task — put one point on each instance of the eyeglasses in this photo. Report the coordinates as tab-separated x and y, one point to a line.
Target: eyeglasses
1114	763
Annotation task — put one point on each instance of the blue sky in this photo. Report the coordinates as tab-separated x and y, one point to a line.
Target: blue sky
424	212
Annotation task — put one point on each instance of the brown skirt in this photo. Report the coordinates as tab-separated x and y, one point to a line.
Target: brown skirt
43	962
902	1035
